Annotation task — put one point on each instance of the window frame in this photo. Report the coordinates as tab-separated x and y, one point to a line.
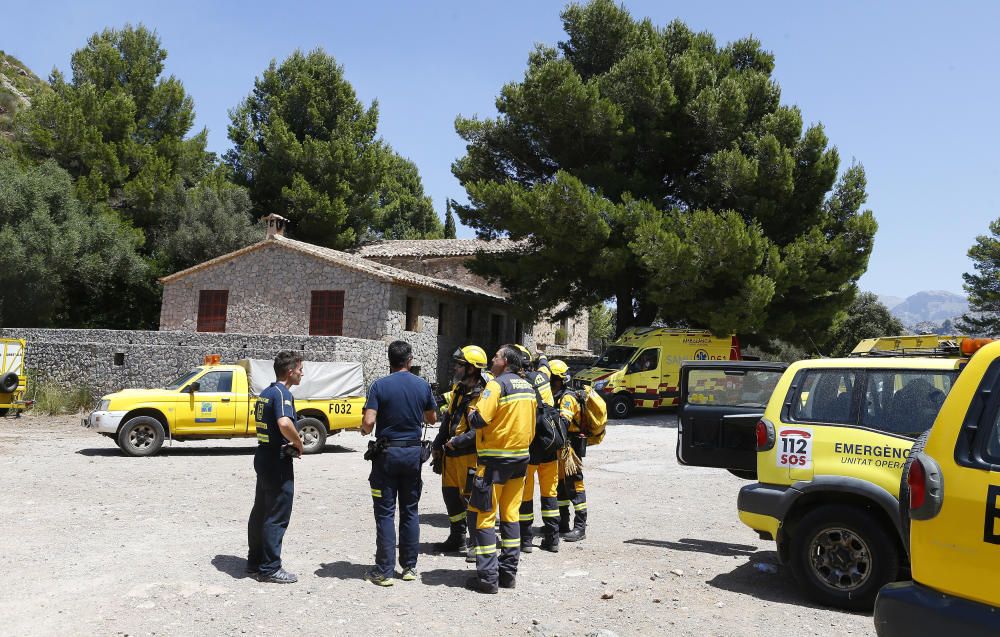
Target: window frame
325	301
208	316
979	424
215	371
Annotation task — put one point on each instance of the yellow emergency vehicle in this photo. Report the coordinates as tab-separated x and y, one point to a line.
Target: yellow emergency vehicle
827	452
13	380
640	369
951	502
217	401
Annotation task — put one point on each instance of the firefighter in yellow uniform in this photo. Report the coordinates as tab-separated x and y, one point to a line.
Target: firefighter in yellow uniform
455	445
571	490
504	421
544	465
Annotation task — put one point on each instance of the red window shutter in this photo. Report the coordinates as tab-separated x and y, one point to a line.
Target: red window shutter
326	313
212	306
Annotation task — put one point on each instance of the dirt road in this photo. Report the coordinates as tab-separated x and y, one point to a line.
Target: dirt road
94	543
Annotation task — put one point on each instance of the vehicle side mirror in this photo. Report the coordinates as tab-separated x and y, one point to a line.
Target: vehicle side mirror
193	387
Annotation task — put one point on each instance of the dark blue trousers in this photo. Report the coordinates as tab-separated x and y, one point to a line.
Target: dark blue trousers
396	476
272	509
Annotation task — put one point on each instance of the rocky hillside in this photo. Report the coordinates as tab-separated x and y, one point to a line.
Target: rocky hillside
18	86
933	306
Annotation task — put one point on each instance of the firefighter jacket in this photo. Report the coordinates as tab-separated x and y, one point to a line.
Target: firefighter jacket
504	421
455	423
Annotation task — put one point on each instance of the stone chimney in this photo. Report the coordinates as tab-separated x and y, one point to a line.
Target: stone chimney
275	225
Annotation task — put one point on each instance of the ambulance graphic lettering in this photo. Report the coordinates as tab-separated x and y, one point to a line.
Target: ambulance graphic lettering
795	448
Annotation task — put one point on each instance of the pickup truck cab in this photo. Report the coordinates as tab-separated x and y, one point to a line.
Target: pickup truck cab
952	507
217	401
826	454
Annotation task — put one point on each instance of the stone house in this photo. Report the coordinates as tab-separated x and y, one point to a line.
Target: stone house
283	286
447	259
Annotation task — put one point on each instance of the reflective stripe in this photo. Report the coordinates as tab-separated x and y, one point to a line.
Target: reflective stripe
580	507
458	517
485	550
376	493
502	452
513	398
511	543
263	437
564	503
550	513
528	517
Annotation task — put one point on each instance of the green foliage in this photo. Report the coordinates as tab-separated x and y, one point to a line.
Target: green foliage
402	210
449	221
61	264
202	223
600	326
18	86
117	126
778	350
867	317
983	287
53	399
653	166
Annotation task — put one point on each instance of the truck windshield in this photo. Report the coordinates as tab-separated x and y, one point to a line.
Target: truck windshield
616	357
180	382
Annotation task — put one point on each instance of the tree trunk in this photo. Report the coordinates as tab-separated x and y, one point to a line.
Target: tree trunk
624	317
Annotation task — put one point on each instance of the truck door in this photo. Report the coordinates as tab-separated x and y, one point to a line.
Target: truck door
211	408
720	405
643	377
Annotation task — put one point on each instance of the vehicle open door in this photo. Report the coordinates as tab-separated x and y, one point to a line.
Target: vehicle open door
720	404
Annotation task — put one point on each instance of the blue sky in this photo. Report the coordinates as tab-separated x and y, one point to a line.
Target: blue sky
909	90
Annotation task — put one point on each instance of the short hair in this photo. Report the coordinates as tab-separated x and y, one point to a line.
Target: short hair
400	353
285	362
514	358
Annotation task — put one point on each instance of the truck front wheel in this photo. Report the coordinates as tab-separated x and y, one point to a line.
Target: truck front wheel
620	406
313	434
141	436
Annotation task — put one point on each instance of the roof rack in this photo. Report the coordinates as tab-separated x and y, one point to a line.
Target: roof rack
945	349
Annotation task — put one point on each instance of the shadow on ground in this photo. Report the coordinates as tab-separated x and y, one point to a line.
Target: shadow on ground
437	520
342	570
453	578
231	565
724	549
666	418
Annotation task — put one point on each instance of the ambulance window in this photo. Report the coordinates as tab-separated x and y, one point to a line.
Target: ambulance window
825	395
217	382
616	356
745	388
904	402
647	361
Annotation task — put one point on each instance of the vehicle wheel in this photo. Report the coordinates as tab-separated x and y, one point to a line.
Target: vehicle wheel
313	434
141	436
9	382
620	406
4	411
745	474
842	556
904	488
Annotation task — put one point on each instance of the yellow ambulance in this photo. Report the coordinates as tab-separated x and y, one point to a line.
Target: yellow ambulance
641	368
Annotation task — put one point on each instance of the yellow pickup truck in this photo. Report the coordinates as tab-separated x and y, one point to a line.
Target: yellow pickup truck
217	401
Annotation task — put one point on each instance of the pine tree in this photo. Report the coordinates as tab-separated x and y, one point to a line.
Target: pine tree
983	287
449	221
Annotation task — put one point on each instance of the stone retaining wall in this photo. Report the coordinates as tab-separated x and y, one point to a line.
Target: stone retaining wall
109	360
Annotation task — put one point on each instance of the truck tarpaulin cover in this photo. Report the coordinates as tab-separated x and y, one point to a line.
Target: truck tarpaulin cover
319	379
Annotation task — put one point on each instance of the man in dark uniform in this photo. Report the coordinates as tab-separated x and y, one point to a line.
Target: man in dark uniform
397	407
277	441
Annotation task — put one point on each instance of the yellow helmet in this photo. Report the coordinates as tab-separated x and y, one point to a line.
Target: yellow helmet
524	350
559	368
471	354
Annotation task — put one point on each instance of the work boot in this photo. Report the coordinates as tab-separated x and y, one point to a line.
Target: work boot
377	578
478	585
550	544
508	580
575	535
280	576
454	544
470	554
527	546
409	574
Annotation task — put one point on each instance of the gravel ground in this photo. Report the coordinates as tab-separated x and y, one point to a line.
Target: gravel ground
95	543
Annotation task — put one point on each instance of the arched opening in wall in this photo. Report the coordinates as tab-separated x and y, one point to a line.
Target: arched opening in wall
562	332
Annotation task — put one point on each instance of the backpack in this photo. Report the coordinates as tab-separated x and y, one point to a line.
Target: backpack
593	415
550	435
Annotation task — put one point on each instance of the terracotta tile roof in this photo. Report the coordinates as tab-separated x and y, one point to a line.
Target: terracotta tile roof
436	247
346	260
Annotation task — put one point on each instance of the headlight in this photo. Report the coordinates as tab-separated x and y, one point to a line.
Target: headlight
104	405
599	385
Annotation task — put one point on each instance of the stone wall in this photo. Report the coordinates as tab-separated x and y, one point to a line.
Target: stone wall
109	360
577	327
270	293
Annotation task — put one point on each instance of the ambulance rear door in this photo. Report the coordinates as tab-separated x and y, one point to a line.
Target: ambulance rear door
720	404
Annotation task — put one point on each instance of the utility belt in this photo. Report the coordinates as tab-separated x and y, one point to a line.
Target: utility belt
378	446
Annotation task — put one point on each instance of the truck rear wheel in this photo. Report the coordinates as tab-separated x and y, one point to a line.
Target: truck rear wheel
620	406
842	556
9	382
313	434
141	436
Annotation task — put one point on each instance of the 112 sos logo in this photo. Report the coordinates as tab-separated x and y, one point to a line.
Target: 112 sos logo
795	448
